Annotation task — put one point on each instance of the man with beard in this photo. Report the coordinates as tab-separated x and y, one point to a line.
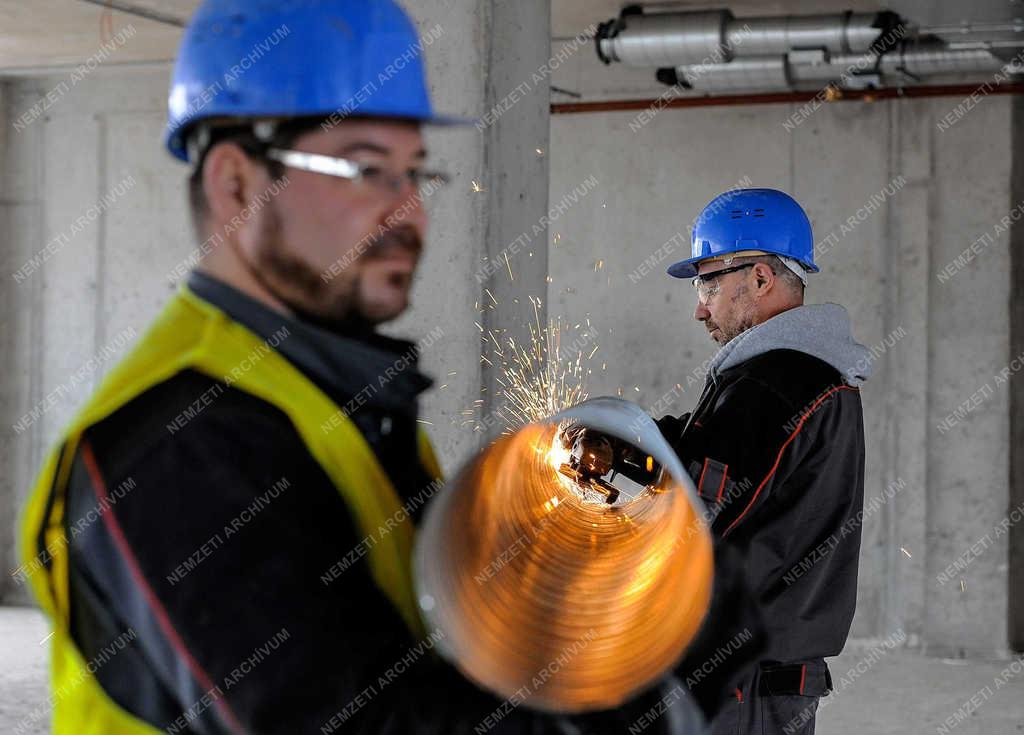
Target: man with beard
223	534
775	446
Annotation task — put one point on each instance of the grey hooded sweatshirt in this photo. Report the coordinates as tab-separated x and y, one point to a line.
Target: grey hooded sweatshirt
821	330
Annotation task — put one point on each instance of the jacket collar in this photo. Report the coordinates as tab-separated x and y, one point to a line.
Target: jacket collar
342	365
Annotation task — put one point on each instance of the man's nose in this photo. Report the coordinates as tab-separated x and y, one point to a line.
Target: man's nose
408	209
701	313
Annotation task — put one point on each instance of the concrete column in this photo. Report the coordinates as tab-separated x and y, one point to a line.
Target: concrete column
515	131
968	345
905	474
7	360
20	341
1016	571
499	190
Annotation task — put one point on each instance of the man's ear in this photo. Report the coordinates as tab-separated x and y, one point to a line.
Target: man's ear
763	274
227	177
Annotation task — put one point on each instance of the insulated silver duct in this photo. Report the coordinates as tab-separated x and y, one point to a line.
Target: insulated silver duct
797	71
756	73
919	60
675	39
713	51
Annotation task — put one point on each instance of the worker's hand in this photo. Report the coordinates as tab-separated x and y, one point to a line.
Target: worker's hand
595	453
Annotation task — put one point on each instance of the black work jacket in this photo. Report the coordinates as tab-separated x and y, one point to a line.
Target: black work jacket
775	446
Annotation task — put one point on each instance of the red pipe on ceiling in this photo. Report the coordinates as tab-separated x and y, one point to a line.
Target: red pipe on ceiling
868	95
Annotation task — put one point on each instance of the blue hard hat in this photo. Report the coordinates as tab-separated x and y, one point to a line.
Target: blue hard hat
749	219
297	58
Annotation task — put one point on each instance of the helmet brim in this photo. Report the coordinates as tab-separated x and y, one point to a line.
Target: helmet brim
684	268
688	268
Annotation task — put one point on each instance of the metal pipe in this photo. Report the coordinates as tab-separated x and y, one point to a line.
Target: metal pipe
775	98
851	32
795	71
675	39
577	572
754	73
973	27
924	59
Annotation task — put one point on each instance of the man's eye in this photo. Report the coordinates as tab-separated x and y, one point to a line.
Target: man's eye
372	172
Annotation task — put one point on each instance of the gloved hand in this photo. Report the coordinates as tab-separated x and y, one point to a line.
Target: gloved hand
596	454
593	450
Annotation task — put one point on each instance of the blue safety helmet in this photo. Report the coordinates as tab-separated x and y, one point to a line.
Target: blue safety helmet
749	219
297	58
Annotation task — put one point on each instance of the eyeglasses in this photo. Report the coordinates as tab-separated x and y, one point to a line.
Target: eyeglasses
372	175
707	285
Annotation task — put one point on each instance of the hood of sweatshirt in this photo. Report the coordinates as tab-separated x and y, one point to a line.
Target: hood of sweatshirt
821	330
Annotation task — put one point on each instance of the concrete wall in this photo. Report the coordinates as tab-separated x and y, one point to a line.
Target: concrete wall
937	343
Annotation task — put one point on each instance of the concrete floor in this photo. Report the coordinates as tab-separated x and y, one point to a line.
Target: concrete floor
898	693
905	693
23	688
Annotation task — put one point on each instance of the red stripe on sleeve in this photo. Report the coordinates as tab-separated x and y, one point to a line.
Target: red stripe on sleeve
725	473
700	482
778	458
163	619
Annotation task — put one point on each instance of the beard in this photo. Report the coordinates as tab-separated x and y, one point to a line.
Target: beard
337	303
743	316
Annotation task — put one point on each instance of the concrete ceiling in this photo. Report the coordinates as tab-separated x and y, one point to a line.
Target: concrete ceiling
41	34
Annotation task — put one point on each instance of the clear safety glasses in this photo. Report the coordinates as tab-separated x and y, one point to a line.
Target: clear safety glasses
707	285
373	176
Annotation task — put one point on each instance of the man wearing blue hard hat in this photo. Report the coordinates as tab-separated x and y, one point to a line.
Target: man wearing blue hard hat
222	536
775	446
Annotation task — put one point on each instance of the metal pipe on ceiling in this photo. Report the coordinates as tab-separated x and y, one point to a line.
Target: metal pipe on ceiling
674	39
774	98
714	51
909	63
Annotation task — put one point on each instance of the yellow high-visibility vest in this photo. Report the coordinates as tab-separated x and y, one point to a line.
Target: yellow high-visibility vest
191	333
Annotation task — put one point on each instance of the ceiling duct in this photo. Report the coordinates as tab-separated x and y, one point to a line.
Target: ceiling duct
673	39
910	64
713	51
996	25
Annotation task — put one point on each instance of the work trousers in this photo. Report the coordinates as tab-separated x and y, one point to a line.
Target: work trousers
775	699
